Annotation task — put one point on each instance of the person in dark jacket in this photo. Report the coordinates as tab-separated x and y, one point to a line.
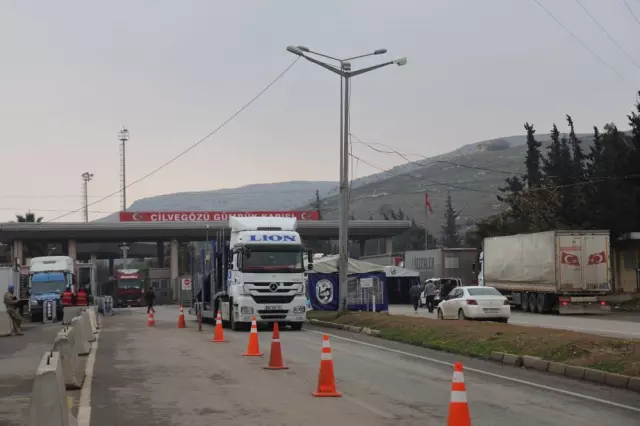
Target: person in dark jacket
414	295
150	297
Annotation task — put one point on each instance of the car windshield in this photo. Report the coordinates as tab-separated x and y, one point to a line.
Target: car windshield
129	284
483	291
272	260
46	282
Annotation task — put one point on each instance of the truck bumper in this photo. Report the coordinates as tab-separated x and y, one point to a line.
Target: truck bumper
584	308
246	308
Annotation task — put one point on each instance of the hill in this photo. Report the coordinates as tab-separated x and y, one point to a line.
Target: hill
473	173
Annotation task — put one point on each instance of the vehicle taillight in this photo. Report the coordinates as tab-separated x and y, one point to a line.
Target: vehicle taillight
471	302
506	302
564	302
603	303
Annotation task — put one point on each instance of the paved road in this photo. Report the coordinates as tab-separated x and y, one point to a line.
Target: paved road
19	359
613	325
167	376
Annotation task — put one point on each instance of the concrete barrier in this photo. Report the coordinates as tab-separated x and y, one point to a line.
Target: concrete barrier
81	342
72	368
86	324
5	324
97	316
70	312
48	405
92	319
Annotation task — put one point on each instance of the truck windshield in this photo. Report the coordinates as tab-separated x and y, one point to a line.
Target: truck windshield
271	259
47	282
129	284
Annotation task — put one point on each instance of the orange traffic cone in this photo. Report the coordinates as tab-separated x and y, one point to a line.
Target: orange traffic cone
218	334
181	323
152	320
458	407
253	349
275	356
326	378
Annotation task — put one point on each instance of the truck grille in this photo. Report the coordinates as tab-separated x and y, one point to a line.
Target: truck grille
273	315
264	288
273	299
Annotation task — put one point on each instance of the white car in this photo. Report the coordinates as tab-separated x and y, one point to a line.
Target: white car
472	302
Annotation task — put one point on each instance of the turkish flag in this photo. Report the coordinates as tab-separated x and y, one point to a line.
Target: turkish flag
597	258
570	259
427	202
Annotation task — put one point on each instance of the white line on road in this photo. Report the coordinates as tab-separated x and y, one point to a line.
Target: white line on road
84	408
572	328
486	373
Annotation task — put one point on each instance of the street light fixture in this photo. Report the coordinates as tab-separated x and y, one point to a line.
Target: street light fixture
123	136
345	73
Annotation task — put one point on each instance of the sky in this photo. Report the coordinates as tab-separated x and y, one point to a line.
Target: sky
73	73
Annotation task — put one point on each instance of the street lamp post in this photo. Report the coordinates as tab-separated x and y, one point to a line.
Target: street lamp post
125	250
86	177
345	73
123	136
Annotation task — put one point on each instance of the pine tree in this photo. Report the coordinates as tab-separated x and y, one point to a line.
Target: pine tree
552	162
577	154
533	157
450	230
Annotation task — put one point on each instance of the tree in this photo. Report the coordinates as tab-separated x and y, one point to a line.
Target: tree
450	230
317	205
28	217
532	157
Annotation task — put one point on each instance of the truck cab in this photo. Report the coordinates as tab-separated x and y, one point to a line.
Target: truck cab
265	273
129	288
49	276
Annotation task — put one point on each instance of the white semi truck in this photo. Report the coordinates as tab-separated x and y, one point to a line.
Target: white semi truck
260	274
568	272
49	277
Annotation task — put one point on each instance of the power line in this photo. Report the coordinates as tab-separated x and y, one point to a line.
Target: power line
572	34
432	162
635	17
224	123
606	33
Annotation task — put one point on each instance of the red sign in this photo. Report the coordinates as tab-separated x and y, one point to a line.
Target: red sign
210	216
128	276
597	258
569	259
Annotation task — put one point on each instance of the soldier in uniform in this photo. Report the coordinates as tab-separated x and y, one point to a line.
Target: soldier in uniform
12	304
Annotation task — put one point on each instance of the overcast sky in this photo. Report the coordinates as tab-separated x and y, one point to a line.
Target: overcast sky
73	72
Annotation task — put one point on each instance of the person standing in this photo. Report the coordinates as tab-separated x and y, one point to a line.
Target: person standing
414	295
430	294
150	297
11	303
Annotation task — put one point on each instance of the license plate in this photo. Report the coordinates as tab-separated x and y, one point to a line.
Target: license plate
491	310
273	308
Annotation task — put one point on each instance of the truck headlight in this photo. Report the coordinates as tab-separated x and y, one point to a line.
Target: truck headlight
33	302
246	310
299	310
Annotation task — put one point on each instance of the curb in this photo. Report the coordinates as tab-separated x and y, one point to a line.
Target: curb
572	371
352	328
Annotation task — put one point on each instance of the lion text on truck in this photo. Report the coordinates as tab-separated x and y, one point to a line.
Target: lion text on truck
562	271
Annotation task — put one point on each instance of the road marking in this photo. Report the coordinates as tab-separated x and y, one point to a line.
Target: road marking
371	408
486	373
84	409
571	328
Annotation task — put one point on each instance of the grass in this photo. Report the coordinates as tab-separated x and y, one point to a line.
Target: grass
479	339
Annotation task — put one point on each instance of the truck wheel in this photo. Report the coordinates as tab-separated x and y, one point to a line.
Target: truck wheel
542	303
296	326
533	303
524	299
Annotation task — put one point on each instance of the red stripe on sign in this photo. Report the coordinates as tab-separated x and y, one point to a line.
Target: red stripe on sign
211	216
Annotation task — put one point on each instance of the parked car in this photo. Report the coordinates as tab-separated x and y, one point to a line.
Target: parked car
484	303
443	288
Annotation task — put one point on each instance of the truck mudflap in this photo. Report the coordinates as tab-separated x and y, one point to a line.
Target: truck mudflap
583	305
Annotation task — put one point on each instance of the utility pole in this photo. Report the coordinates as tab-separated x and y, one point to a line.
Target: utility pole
343	69
86	177
123	136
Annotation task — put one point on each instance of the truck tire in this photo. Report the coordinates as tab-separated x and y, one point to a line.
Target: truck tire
533	302
233	324
296	326
524	299
542	303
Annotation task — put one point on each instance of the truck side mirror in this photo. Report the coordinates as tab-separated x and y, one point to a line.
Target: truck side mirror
473	267
310	267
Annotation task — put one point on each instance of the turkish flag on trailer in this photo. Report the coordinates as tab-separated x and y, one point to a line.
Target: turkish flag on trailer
569	259
427	202
597	258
